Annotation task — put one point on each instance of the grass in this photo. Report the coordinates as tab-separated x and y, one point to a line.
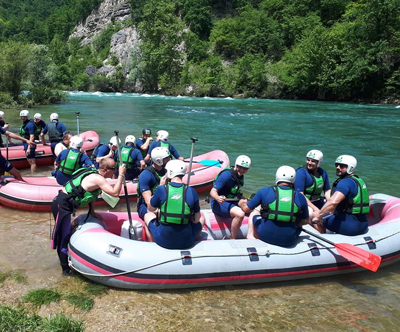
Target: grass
94	289
80	300
16	319
13	275
41	296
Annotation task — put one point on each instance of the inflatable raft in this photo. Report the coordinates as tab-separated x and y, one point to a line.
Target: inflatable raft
37	193
17	157
98	252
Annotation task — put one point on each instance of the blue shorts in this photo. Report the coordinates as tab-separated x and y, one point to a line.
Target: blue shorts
141	208
222	210
173	236
30	151
5	165
347	224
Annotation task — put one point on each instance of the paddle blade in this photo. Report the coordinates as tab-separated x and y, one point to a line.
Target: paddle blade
359	256
210	163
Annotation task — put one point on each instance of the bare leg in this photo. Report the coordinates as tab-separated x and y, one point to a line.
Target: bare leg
148	217
201	221
251	234
237	214
32	162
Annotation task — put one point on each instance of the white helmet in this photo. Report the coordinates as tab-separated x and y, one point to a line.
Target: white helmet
158	154
76	142
162	135
53	116
37	116
316	155
175	167
285	174
130	139
24	113
243	161
2	114
113	141
348	160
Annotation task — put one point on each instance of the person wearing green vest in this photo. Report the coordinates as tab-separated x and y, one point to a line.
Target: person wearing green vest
162	141
83	189
349	203
174	218
131	157
283	211
143	143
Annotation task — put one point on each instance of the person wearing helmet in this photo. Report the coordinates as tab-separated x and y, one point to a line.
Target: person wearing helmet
349	203
54	130
312	181
143	143
64	144
162	140
227	185
150	178
104	151
70	160
2	125
283	211
39	125
27	130
179	222
5	165
82	189
131	158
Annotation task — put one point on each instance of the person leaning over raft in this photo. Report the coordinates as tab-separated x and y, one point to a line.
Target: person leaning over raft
5	165
283	211
64	144
228	184
349	202
105	151
83	189
179	222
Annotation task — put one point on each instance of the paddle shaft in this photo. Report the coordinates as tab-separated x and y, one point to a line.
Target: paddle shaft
77	121
194	139
128	207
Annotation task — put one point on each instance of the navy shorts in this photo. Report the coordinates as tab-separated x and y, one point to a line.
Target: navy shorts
222	210
30	151
5	165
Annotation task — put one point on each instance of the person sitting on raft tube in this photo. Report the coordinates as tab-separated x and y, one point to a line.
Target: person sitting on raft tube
143	143
161	140
179	223
70	160
227	185
349	202
283	211
312	181
105	151
131	157
84	187
5	165
150	178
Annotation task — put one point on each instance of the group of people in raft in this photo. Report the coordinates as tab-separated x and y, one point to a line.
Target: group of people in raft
171	210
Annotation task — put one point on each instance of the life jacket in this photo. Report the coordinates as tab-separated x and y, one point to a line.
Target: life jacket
157	176
54	134
71	162
164	144
313	193
235	191
74	188
126	158
358	204
175	209
38	130
22	131
283	208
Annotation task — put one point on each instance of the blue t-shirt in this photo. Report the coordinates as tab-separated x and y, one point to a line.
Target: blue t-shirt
304	179
101	151
2	130
84	161
277	232
172	150
136	156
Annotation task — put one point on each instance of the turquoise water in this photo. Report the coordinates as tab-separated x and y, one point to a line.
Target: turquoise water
272	133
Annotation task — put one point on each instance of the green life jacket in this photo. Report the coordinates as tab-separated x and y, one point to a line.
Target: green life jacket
71	162
175	209
54	134
283	208
313	193
126	158
358	204
236	190
164	144
74	188
22	131
38	130
157	176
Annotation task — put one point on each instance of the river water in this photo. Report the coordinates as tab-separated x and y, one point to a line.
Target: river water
272	133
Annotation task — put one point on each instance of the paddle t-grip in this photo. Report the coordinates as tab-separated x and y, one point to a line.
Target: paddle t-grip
194	139
116	132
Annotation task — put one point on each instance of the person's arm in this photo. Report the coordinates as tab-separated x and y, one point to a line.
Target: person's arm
15	136
328	194
112	190
142	165
329	206
42	139
146	144
215	195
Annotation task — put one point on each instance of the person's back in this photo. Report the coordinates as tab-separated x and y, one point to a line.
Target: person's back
131	158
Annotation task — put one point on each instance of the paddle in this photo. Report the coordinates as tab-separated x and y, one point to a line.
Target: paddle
77	121
128	207
6	173
354	254
194	139
216	163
